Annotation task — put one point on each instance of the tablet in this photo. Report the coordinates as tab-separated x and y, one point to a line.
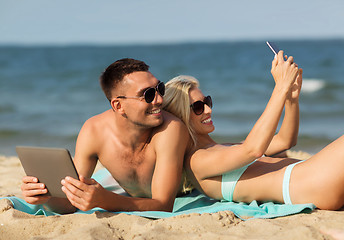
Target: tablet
49	165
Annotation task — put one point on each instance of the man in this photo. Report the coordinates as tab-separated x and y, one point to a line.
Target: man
140	145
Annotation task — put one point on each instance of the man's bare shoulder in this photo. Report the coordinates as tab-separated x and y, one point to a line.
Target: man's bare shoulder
96	122
172	129
171	122
92	134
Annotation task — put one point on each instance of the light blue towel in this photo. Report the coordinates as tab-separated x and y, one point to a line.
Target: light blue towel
194	202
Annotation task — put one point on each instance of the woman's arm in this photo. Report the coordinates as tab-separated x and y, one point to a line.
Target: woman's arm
288	133
220	160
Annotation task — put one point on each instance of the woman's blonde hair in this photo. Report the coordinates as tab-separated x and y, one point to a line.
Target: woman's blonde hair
177	102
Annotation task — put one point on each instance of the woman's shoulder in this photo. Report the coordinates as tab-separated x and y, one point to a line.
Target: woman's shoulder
203	153
197	154
201	160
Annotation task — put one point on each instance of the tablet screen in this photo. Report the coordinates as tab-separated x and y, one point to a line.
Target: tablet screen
49	165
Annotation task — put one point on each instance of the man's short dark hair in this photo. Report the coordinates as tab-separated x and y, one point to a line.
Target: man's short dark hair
115	73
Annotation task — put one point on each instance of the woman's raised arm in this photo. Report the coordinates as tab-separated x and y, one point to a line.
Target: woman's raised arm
287	136
258	140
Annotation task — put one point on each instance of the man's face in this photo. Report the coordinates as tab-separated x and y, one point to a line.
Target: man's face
137	110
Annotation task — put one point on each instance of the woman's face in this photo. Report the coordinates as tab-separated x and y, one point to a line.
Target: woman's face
202	124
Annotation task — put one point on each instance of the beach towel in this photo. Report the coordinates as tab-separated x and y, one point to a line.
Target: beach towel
194	202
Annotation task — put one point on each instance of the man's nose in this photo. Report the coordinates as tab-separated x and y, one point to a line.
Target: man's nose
157	98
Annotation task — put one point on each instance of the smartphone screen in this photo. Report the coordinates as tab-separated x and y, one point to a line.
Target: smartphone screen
273	47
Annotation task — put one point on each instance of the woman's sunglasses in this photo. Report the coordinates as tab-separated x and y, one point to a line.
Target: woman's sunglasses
198	106
149	94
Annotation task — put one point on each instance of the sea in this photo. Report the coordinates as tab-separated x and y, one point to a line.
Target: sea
48	92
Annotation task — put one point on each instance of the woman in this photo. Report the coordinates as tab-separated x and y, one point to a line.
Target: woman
244	172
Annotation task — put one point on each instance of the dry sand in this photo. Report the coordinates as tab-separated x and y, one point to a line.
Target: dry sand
223	225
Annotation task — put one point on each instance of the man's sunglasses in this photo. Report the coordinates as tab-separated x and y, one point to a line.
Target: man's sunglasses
149	94
198	106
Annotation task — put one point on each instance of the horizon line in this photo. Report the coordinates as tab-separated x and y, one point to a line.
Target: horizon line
148	43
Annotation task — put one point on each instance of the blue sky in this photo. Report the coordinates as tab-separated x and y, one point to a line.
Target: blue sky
159	21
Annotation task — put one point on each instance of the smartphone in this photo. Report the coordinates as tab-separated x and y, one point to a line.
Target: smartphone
273	47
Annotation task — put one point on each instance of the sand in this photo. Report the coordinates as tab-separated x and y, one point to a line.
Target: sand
17	225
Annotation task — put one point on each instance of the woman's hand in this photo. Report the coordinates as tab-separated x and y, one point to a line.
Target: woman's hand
284	71
295	89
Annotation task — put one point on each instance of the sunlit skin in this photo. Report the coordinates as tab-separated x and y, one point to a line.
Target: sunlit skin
319	180
212	185
201	123
142	147
143	115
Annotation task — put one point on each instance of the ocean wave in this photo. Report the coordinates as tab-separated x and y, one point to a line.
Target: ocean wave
4	133
7	108
312	85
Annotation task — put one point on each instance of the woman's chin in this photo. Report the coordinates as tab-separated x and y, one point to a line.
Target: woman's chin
211	129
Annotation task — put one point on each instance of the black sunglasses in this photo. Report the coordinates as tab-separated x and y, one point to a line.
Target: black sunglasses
198	106
149	94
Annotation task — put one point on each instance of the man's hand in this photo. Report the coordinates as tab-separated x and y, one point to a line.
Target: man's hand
33	191
84	194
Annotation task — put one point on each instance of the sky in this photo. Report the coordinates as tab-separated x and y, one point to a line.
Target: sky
64	22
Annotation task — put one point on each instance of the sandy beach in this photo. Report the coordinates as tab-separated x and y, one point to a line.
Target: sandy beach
14	224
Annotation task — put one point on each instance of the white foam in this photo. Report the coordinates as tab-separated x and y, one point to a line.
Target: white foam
312	85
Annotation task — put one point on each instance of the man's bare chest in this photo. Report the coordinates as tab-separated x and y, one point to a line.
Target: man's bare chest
133	171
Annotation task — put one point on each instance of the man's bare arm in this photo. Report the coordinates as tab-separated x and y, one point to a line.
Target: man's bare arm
171	144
